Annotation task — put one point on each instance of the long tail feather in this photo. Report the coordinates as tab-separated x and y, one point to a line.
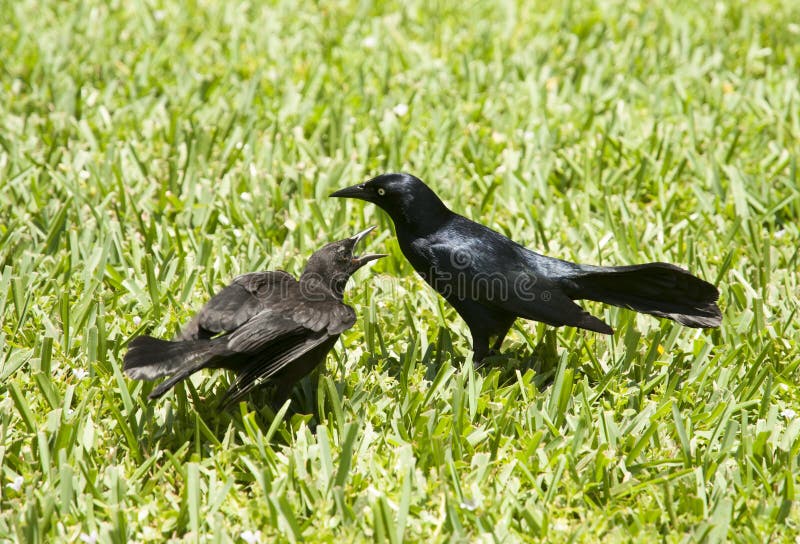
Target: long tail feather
659	289
150	358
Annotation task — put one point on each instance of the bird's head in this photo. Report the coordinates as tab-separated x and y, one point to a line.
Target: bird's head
404	197
332	265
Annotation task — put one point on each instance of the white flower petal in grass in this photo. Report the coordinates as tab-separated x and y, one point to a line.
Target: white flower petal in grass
80	373
16	485
245	196
788	413
400	110
251	537
369	42
137	320
237	233
91	538
84	174
223	219
560	525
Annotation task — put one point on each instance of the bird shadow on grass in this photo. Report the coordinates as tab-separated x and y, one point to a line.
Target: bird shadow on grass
199	417
543	360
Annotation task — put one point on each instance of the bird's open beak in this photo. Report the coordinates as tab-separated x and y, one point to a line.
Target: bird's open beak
367	257
354	191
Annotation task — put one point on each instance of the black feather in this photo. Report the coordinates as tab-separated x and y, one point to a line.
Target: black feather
149	358
265	326
659	289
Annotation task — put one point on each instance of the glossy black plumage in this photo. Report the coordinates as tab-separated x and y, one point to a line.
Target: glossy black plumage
491	280
265	326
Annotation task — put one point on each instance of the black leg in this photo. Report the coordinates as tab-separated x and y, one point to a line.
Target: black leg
480	348
499	339
281	392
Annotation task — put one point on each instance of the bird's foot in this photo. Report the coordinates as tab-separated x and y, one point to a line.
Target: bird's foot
488	357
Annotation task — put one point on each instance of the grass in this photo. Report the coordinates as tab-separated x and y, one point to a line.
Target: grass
152	150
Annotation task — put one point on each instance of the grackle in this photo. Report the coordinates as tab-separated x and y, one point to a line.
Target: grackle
491	280
265	326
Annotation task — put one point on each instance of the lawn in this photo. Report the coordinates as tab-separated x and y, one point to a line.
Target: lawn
152	150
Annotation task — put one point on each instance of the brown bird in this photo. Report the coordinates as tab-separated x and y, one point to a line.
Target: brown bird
264	326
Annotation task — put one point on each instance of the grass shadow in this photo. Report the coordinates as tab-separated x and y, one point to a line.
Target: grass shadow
198	415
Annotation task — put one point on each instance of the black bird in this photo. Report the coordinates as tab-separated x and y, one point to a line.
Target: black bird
265	326
492	280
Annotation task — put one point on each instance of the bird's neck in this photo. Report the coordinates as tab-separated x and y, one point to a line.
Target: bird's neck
423	216
317	286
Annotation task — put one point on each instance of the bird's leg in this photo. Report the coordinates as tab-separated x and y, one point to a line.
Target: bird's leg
480	348
499	340
281	392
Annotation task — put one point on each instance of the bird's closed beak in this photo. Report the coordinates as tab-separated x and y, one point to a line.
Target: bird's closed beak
354	191
367	257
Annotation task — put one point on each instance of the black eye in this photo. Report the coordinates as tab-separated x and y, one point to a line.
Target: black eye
381	191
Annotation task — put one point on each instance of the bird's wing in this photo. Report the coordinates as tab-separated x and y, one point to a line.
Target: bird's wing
246	296
265	366
332	316
484	266
487	268
277	337
288	318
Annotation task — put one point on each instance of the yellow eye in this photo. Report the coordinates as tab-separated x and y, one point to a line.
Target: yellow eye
381	191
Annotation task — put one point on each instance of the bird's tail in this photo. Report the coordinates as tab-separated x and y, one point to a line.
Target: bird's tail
659	289
149	358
